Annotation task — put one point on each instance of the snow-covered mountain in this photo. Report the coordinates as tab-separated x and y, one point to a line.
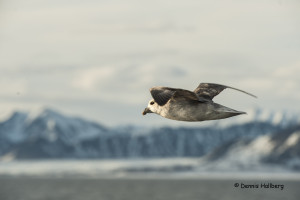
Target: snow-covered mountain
265	137
280	149
45	134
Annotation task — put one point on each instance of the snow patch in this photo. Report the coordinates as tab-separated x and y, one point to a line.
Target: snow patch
293	139
262	145
277	118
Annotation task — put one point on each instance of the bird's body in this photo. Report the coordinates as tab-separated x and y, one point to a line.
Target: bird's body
184	105
196	111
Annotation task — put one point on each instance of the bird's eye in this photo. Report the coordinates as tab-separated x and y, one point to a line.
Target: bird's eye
152	102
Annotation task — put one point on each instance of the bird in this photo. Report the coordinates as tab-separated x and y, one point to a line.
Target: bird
184	105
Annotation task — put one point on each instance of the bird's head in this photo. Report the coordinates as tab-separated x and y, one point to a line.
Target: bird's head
152	107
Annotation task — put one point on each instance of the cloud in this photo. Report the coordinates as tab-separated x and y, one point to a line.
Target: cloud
13	87
288	71
89	79
126	83
281	83
287	80
114	51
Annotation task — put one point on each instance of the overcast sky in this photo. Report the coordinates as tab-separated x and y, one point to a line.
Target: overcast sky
98	59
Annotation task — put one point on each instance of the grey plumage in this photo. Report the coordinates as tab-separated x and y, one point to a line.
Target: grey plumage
185	105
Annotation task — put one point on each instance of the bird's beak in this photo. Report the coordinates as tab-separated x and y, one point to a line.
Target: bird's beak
147	110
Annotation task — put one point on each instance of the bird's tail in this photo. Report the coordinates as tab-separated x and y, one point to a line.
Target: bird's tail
223	109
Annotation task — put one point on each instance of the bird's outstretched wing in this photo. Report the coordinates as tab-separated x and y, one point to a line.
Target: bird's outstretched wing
162	95
210	90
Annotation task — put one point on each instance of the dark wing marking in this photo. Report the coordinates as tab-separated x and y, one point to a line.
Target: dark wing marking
162	95
210	90
185	95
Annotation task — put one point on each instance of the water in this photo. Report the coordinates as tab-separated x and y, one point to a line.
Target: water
43	188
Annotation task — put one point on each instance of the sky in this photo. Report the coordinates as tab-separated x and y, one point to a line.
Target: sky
97	59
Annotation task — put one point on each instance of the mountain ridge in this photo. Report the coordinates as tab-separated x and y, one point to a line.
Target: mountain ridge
52	135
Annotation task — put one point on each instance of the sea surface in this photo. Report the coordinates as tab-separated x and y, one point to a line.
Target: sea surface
55	188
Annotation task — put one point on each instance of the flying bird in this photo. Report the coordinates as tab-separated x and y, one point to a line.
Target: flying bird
184	105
